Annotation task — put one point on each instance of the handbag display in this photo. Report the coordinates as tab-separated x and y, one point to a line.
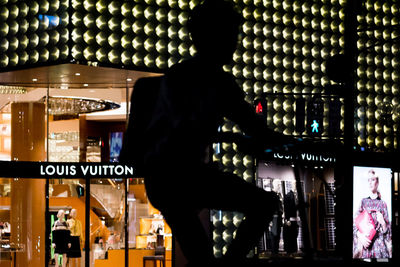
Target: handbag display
365	224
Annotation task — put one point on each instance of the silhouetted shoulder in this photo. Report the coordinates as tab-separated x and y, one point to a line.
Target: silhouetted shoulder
144	95
143	102
196	71
147	82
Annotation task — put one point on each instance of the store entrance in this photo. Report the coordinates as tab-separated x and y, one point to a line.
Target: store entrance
72	114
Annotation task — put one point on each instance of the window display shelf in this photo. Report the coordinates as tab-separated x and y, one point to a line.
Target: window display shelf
153	230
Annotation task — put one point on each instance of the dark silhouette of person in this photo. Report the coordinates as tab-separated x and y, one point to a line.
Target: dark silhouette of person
174	120
291	227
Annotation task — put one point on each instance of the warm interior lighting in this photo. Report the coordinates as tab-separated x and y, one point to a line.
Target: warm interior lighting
74	105
6	89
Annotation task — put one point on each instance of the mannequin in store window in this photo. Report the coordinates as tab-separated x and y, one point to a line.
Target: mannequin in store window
61	238
276	219
75	227
168	142
291	227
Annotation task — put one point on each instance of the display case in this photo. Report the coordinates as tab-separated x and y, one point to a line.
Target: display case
285	233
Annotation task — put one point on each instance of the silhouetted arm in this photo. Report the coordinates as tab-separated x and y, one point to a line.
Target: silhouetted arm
241	112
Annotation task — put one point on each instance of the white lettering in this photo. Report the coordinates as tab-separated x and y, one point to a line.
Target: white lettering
98	170
50	170
111	169
60	170
84	169
93	170
119	170
73	170
105	169
128	170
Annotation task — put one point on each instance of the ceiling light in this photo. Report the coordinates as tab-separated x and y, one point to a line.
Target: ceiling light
128	79
6	89
85	84
77	74
34	80
75	105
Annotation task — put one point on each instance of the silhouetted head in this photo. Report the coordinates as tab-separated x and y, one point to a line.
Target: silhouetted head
214	27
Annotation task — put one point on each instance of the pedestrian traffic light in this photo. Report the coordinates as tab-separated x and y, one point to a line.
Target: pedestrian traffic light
334	117
315	117
300	115
260	105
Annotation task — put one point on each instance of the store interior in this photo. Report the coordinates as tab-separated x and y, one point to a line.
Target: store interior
317	184
85	115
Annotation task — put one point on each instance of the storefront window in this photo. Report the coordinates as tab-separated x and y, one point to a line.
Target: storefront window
66	221
107	220
5	219
285	235
5	134
85	124
148	231
70	114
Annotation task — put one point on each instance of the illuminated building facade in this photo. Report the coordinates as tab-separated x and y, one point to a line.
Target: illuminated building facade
282	58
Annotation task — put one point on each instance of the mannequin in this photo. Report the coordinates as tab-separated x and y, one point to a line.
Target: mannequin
61	238
276	219
290	230
75	226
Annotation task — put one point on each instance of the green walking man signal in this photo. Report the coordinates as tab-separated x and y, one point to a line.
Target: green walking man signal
314	127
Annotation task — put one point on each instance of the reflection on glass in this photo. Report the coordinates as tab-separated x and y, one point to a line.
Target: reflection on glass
285	233
63	146
5	223
85	130
107	219
93	149
5	134
147	229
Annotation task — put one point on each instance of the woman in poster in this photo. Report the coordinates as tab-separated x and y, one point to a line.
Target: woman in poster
371	228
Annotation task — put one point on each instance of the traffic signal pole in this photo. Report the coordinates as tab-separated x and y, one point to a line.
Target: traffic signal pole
344	170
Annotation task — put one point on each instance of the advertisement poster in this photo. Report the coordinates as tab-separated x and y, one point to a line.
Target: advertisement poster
115	145
372	218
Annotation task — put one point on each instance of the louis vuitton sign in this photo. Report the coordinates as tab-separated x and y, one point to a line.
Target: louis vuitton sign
24	169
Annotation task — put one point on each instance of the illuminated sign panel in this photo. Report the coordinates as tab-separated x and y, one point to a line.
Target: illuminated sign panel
372	211
33	33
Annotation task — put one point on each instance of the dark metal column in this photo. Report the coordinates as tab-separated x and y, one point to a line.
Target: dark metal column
87	222
344	181
126	223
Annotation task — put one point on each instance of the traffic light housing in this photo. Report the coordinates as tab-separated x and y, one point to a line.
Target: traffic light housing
260	105
334	117
300	115
315	117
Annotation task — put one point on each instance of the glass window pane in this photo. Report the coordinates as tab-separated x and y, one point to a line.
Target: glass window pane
86	124
22	232
5	220
66	221
146	225
107	221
